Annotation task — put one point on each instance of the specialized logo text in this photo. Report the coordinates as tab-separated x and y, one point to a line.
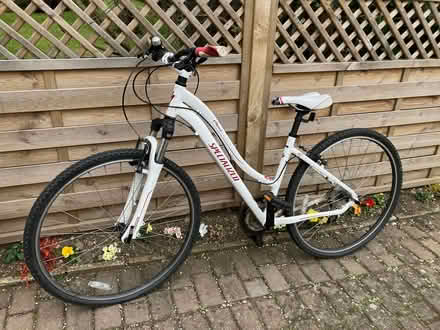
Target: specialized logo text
225	162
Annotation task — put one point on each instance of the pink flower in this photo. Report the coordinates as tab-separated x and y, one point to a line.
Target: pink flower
173	231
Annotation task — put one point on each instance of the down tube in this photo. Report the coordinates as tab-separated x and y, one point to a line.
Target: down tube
223	162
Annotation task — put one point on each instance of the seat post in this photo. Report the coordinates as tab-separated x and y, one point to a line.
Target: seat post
298	119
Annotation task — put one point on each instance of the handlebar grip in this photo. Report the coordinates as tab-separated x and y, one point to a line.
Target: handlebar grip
277	101
211	51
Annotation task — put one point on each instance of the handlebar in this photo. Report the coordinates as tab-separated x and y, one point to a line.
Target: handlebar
185	58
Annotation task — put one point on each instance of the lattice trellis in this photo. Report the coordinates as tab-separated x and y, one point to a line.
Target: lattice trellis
104	28
352	30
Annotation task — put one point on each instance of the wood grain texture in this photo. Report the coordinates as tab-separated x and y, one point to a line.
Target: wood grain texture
82	98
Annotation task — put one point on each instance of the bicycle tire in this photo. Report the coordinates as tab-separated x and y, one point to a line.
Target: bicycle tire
315	154
39	212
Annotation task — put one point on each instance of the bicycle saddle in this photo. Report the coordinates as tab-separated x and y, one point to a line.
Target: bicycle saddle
312	101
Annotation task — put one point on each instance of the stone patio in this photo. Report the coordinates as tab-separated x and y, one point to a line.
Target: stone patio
393	283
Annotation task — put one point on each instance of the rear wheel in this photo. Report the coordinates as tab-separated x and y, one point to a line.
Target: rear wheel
72	240
367	162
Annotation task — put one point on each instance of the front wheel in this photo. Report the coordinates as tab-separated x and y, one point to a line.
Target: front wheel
368	163
72	238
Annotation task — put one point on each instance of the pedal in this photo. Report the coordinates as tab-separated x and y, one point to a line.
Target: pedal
258	239
278	203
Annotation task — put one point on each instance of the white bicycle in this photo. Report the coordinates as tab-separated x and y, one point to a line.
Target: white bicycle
117	224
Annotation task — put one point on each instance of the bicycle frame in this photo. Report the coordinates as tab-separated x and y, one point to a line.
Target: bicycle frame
190	108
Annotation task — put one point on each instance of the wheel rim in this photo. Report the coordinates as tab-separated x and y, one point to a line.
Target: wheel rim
350	230
122	270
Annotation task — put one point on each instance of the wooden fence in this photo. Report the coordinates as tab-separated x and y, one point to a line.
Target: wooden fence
382	69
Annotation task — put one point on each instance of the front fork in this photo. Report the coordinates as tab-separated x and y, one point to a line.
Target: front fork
152	171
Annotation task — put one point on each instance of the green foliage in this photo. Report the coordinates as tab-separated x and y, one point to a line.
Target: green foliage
428	193
380	200
44	45
425	195
14	253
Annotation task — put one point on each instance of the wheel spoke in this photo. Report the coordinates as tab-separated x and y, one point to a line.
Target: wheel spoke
339	235
79	229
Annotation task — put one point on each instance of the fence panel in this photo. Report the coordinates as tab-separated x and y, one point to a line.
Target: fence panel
51	119
380	61
343	31
401	103
98	28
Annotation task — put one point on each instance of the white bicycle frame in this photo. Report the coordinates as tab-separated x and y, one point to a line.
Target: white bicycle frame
190	108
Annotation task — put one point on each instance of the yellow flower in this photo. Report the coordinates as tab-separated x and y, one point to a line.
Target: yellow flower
67	251
321	221
312	211
149	228
357	210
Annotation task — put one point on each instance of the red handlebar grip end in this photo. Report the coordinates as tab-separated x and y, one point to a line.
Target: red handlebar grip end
211	51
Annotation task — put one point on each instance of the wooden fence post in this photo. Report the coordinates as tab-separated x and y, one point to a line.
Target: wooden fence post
257	55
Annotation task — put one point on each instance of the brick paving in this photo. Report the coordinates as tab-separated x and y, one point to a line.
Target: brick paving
393	283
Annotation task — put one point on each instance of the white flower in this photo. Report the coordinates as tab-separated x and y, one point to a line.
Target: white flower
203	230
173	231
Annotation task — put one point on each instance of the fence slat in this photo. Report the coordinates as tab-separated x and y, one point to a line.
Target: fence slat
46	34
428	31
307	32
34	50
260	74
101	32
341	31
311	43
115	19
63	24
7	53
322	31
98	97
371	19
410	27
219	25
330	124
144	22
85	135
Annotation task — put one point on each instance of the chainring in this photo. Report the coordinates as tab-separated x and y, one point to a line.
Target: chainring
249	223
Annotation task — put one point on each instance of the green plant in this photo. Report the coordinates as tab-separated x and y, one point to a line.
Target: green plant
14	253
424	195
380	200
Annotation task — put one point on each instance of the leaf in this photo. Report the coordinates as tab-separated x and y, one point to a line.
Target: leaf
9	258
20	256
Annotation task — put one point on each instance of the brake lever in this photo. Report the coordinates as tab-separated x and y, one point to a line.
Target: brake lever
201	60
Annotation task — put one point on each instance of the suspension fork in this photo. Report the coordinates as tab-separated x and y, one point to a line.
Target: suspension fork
136	184
155	165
